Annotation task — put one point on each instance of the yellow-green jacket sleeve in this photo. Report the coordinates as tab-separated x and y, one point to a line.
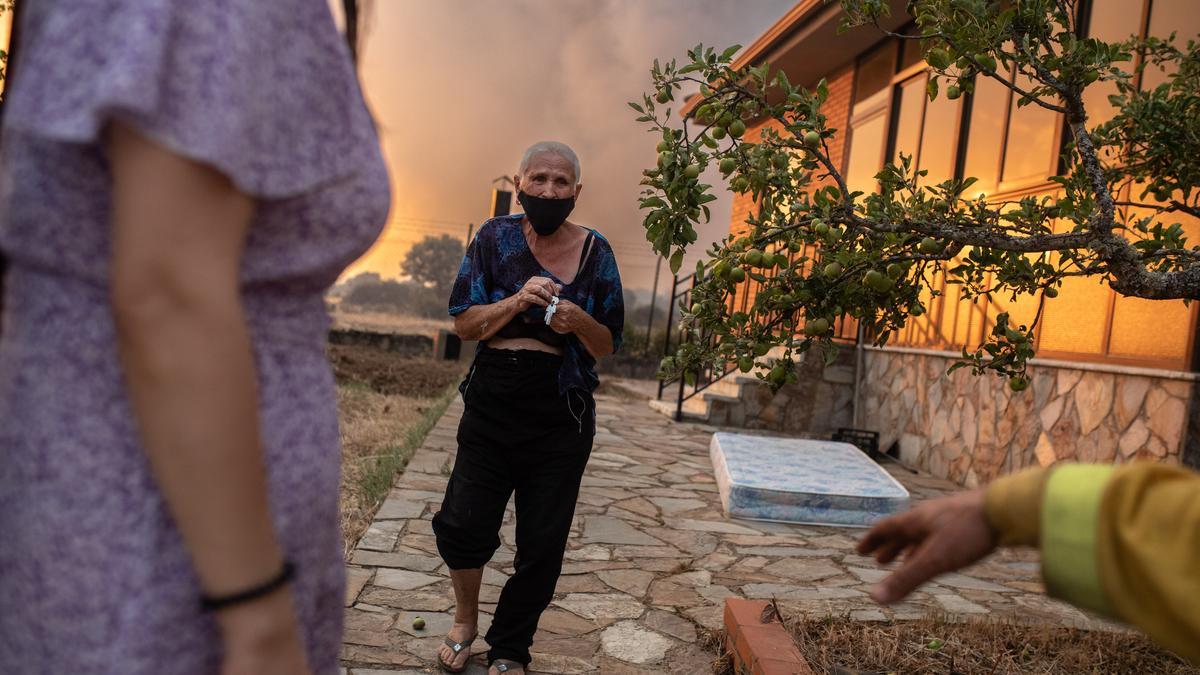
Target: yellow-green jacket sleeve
1120	541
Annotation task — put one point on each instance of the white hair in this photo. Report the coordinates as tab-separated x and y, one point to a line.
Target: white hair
551	148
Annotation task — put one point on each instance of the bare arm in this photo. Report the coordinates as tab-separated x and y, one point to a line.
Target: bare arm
178	231
481	322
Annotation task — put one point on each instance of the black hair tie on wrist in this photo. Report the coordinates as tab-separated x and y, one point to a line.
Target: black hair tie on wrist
213	603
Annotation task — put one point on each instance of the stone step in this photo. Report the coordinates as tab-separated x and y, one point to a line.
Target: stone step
694	410
733	384
708	406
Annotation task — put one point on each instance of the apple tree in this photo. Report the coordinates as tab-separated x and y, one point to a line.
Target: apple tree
871	255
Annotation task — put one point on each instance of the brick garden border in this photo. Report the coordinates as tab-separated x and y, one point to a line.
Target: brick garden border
760	647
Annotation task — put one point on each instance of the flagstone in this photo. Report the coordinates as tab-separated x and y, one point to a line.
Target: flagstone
583	567
403	580
493	576
559	664
671	624
634	582
799	592
664	593
602	605
588	498
633	643
565	623
415	600
696	579
869	575
717	593
787	551
803	570
580	583
381	535
678	505
388	656
628	552
394	509
716	561
689	659
631	517
957	580
958	605
614	493
582	647
640	506
424	526
589	552
711	617
613	457
713	526
420	563
420	542
356	579
610	530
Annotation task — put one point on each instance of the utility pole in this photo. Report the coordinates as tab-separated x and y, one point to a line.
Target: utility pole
470	231
653	299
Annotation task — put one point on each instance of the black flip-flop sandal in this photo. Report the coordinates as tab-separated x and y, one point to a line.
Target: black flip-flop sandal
505	665
457	648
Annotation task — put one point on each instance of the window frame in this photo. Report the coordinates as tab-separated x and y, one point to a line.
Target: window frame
886	101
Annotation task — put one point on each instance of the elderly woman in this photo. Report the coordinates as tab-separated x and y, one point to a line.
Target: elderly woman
542	296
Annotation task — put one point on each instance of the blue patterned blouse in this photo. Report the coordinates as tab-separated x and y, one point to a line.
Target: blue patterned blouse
499	262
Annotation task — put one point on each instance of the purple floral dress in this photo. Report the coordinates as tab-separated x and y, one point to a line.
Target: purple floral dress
93	574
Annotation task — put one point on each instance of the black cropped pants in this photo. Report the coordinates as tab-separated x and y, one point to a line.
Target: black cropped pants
517	435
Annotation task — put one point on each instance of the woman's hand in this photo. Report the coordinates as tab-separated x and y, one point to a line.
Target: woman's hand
537	291
939	535
566	318
261	637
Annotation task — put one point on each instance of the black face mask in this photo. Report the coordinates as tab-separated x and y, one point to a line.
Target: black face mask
546	215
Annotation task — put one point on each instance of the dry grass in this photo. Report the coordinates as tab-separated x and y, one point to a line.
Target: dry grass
387	322
936	645
380	433
714	641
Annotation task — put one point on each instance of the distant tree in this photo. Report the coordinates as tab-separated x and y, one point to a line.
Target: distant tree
388	295
434	262
360	279
877	252
398	297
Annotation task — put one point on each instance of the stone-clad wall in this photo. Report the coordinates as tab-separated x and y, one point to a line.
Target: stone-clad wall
972	429
817	405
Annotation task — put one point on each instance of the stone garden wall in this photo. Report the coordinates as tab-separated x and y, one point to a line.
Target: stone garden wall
973	429
817	405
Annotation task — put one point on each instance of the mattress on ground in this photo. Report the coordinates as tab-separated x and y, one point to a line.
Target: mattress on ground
798	480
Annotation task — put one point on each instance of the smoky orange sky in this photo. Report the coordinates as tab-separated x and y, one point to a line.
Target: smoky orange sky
460	88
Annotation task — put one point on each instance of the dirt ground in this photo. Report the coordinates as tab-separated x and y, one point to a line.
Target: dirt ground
933	645
388	373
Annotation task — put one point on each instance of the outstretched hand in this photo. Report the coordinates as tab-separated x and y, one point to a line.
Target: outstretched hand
937	536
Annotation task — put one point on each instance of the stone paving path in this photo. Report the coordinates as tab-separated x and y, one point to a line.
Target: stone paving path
650	561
